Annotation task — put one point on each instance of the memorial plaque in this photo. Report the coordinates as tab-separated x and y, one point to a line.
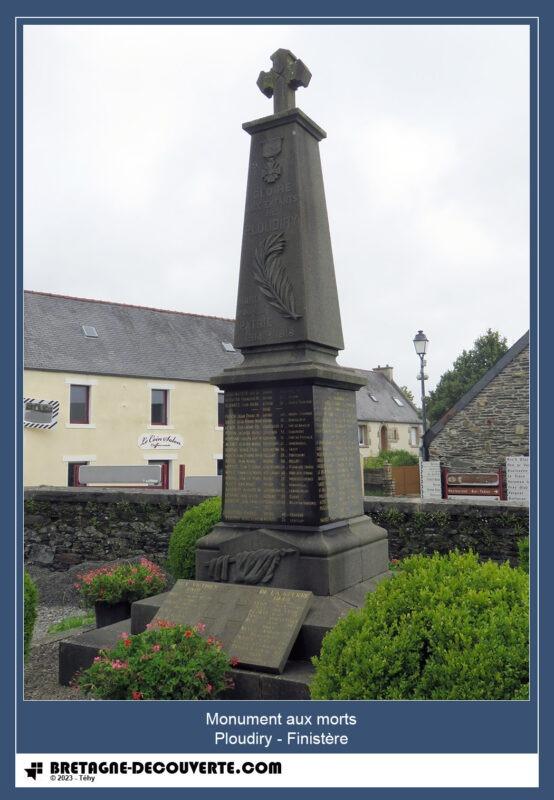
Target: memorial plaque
256	625
430	480
517	478
291	455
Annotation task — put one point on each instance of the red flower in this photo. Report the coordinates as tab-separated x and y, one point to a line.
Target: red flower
127	643
209	688
137	695
233	661
188	633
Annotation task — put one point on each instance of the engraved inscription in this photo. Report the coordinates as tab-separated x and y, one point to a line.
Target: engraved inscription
272	225
271	276
272	198
337	454
291	456
256	625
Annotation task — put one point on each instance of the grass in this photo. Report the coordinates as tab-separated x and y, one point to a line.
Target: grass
71	622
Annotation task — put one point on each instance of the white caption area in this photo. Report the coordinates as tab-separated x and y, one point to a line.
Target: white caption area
485	770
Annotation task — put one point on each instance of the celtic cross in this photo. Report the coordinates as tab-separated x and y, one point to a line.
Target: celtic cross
282	81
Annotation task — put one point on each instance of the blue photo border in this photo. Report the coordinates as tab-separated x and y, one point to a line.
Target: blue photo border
174	727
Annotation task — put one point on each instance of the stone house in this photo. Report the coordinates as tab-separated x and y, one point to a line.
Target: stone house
490	421
387	420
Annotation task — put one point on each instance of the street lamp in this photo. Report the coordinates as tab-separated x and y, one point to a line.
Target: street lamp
420	343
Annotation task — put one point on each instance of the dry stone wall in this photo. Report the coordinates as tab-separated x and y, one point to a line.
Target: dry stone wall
495	424
63	527
491	529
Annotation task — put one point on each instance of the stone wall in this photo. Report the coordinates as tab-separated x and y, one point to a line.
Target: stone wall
379	481
63	527
414	526
495	424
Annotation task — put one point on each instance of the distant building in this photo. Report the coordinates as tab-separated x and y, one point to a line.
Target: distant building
491	420
387	420
126	385
110	384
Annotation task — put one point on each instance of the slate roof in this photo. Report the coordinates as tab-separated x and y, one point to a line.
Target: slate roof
132	340
385	409
478	387
153	343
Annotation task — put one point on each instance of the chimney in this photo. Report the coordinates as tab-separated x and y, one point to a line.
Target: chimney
386	371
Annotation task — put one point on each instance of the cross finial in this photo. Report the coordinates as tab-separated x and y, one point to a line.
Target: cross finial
281	82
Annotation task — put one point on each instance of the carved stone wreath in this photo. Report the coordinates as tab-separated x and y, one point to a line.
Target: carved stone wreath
271	171
271	276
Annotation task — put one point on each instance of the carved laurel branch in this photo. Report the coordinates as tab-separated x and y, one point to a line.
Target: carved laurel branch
271	276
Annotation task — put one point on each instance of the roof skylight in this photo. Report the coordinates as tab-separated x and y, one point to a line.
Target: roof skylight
397	401
228	347
373	397
89	331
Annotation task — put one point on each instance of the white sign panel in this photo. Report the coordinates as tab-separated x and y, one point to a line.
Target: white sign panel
160	441
517	478
430	480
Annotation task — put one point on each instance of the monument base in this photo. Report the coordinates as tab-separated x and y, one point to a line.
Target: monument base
324	560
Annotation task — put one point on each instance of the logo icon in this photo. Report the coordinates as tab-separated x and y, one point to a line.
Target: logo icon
34	770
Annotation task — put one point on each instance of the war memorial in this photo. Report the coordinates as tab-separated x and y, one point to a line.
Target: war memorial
294	551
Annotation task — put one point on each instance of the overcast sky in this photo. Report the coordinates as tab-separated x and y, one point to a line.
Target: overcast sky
135	169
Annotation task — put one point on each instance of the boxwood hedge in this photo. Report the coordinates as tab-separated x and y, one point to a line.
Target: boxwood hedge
195	523
443	627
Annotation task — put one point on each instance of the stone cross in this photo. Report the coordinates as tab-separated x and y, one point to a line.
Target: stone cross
282	81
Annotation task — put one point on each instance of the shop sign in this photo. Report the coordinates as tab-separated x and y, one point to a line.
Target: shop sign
160	441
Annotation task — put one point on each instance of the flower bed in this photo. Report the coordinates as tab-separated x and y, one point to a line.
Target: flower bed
166	662
124	582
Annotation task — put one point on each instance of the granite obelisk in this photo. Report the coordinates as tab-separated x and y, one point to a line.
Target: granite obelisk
292	495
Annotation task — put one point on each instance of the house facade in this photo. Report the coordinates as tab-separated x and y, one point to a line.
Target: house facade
110	384
127	385
387	420
490	421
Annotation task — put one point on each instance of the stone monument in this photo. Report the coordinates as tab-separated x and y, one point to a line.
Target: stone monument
294	551
292	495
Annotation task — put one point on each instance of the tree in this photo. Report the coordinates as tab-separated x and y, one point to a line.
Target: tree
467	369
407	393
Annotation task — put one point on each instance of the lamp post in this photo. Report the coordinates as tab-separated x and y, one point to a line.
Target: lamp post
420	343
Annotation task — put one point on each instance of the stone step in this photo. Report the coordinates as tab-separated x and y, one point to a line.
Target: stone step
78	652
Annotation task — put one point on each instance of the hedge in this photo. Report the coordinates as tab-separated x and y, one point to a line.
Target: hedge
195	523
30	600
445	627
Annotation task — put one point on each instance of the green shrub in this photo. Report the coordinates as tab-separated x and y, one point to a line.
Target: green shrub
127	581
30	600
195	523
523	550
166	662
442	628
396	458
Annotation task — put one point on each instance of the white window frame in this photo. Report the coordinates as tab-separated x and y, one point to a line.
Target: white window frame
79	381
166	387
362	428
